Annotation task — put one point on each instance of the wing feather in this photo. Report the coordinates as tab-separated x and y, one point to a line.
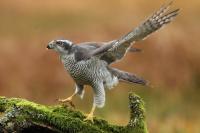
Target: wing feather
152	24
116	49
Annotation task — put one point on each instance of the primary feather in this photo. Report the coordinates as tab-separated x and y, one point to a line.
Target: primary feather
117	49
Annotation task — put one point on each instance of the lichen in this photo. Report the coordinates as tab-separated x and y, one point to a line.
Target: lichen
20	114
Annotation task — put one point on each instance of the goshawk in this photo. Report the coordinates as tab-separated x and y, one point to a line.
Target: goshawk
89	63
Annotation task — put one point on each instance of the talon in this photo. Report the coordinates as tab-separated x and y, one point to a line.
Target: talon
68	100
89	117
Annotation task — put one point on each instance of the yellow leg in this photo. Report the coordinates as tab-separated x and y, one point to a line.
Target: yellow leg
91	114
68	100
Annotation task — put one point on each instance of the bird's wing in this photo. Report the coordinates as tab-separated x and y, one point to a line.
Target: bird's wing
87	49
96	45
91	45
116	49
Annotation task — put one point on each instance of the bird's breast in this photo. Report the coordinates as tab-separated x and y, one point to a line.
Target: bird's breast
85	71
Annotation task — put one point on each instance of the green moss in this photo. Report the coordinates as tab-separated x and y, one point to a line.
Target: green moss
137	118
64	119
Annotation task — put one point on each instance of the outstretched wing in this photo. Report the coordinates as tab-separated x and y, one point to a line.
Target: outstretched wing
115	50
86	50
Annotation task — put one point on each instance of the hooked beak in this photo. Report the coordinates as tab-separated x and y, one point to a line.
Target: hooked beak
50	46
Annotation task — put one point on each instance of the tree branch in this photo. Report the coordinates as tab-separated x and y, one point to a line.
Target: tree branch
20	115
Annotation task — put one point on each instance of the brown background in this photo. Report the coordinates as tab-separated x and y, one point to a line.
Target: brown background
170	57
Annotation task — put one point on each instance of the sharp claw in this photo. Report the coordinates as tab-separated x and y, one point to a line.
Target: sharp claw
68	100
72	104
89	118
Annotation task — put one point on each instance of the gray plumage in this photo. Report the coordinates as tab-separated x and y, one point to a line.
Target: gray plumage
88	63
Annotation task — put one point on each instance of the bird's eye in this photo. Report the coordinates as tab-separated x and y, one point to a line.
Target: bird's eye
59	42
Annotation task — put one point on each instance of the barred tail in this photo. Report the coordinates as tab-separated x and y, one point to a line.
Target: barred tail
128	77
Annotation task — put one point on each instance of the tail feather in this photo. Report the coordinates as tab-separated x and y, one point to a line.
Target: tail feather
128	77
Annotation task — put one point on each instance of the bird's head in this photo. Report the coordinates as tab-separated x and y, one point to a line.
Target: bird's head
60	46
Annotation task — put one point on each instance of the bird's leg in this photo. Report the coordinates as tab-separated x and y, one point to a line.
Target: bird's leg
68	100
91	114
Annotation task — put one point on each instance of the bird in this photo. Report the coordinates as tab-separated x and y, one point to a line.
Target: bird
88	63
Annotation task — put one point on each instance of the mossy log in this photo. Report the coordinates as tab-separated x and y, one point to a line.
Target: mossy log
19	115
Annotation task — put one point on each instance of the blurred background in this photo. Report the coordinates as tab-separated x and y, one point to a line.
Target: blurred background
170	59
